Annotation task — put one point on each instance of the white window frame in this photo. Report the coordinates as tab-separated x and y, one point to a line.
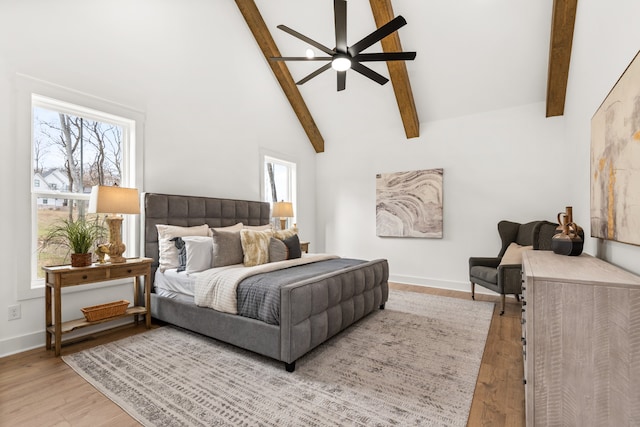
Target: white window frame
30	93
273	157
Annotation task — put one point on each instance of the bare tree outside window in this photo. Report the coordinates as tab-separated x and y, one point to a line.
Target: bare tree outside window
279	180
70	155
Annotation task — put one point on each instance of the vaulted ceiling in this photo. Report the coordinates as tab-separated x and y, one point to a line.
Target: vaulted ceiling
472	56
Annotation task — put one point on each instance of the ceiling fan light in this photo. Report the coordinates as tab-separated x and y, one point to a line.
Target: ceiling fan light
341	63
310	54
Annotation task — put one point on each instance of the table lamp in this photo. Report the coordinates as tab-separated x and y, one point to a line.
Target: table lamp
282	210
114	201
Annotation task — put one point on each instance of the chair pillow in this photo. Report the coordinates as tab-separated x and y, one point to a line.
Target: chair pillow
513	254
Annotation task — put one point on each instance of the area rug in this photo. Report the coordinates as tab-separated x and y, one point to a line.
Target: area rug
414	363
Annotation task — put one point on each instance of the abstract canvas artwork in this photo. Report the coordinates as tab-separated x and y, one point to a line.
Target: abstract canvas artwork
615	161
409	204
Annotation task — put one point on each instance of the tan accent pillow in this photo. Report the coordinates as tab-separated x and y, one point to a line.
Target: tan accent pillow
283	234
255	246
513	254
167	249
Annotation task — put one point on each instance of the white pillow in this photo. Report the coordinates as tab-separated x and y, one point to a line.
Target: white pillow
513	254
265	227
199	253
235	227
167	249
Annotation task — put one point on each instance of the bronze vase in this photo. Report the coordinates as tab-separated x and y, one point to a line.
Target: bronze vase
569	237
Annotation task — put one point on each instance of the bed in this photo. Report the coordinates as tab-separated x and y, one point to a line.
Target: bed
311	310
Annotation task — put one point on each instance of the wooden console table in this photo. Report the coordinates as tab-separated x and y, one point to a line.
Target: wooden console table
62	276
581	341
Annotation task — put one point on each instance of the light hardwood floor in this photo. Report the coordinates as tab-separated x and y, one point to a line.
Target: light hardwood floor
38	389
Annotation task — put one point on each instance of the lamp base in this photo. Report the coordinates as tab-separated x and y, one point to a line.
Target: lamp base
283	223
116	247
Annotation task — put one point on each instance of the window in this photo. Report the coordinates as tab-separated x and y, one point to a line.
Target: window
279	182
73	149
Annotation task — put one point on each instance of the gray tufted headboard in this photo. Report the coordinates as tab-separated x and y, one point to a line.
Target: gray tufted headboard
187	211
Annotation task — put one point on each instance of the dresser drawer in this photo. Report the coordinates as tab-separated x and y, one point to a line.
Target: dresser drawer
84	276
129	271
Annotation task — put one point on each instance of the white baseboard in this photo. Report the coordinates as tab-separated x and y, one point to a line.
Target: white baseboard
22	343
438	283
33	340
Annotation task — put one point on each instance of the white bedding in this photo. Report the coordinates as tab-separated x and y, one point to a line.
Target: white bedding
171	282
216	288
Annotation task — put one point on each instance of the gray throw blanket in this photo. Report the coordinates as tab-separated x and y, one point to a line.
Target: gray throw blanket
259	295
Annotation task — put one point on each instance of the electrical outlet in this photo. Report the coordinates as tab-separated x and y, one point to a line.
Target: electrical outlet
14	312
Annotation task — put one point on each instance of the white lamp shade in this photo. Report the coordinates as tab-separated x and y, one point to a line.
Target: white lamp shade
114	200
282	210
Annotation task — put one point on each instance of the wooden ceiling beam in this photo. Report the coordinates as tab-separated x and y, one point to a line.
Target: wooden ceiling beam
562	24
265	41
383	13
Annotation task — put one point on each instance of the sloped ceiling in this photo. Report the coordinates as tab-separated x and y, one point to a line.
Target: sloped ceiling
473	56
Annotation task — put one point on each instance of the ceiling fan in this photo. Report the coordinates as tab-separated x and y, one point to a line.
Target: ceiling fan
343	57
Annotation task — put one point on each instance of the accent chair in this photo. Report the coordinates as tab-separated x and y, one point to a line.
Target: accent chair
506	277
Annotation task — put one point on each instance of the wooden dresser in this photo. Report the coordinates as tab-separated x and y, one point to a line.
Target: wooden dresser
581	341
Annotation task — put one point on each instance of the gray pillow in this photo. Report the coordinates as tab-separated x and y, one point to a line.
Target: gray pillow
227	248
277	250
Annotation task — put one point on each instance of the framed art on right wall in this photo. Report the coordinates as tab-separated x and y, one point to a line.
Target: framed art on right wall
615	161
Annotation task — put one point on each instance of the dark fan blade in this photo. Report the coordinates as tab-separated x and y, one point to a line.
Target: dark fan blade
300	58
368	72
306	39
377	35
340	20
342	80
315	73
387	56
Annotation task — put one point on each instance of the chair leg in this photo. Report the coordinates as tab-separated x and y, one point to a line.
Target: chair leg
502	298
517	297
473	291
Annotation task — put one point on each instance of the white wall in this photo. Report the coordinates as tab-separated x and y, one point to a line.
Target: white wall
209	110
497	165
511	164
605	41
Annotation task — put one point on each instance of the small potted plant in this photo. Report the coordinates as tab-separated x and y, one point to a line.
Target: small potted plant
78	236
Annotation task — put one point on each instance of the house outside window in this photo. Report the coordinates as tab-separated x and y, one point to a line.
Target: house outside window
73	149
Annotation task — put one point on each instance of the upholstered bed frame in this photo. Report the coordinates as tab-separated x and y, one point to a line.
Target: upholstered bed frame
311	311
